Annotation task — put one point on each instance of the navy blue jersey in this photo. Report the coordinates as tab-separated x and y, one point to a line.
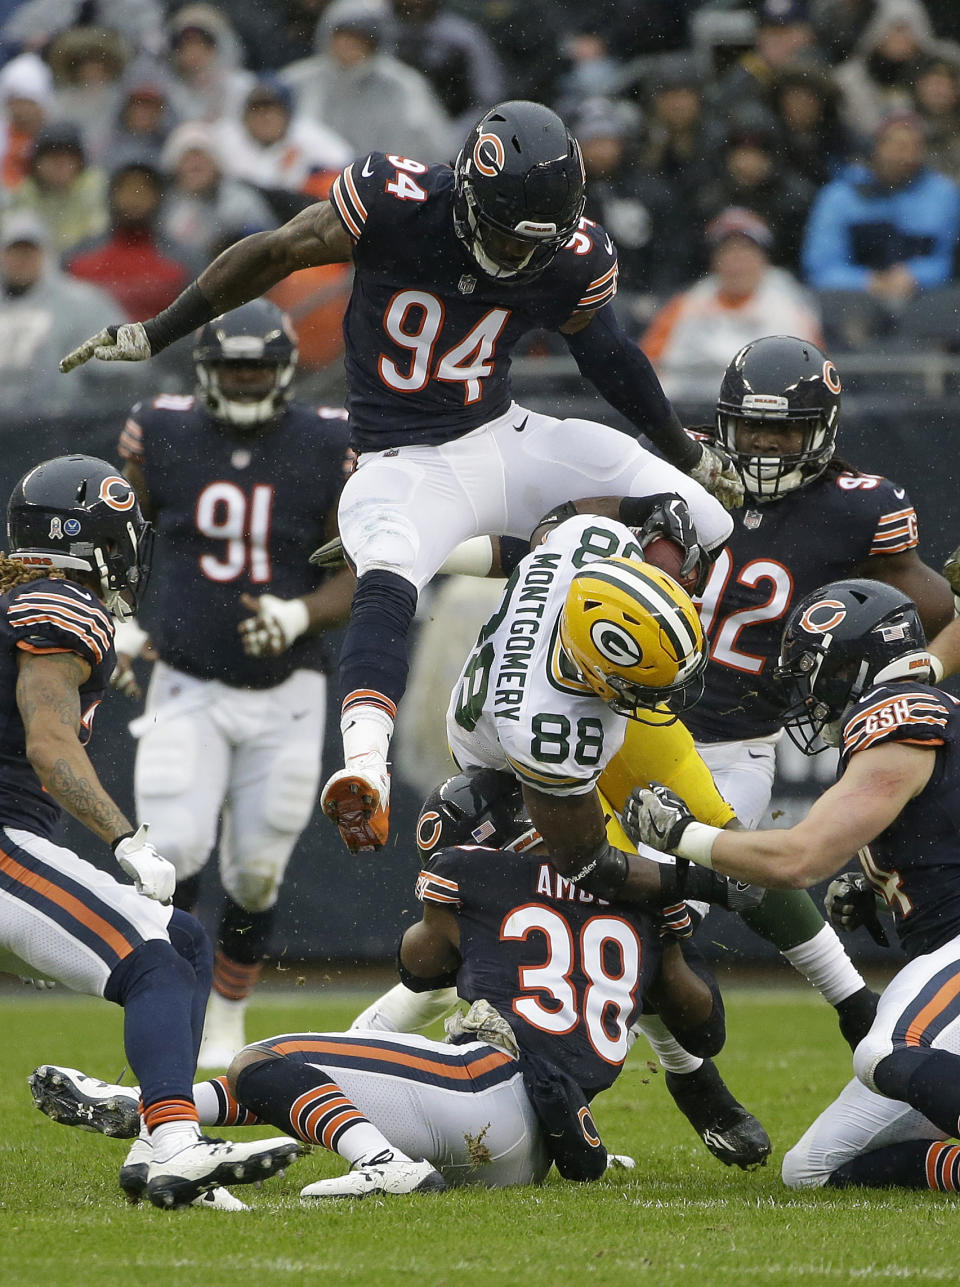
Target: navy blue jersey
46	616
778	553
915	864
237	512
428	336
567	970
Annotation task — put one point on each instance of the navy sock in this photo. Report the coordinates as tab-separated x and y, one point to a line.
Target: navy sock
928	1080
156	987
244	935
373	658
913	1164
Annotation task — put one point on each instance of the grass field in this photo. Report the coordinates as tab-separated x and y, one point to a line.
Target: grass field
679	1218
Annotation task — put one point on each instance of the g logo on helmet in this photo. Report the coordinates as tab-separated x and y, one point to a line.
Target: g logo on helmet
109	495
823	616
615	643
428	829
488	155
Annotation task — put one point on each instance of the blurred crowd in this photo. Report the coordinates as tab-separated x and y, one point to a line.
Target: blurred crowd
759	163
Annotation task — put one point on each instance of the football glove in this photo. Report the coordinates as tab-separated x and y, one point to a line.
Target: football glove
154	876
277	624
677	921
671	519
656	817
330	555
850	902
126	343
128	640
716	471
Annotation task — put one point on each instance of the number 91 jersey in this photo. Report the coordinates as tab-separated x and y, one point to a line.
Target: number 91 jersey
778	553
517	706
428	337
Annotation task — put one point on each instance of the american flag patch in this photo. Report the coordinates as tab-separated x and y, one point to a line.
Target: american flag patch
481	833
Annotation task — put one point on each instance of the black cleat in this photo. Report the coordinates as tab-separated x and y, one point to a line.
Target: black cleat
856	1014
734	1136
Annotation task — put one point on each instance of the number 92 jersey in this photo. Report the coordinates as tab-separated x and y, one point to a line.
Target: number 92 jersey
517	706
428	336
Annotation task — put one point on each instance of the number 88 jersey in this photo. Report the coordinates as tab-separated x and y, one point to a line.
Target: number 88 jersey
778	553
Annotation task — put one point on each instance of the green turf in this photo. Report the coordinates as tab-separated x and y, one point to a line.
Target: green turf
679	1218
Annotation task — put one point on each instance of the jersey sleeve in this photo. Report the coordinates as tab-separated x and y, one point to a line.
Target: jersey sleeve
896	526
600	269
359	188
53	616
438	882
917	716
130	444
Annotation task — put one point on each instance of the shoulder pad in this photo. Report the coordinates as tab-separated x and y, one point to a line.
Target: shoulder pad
897	713
59	616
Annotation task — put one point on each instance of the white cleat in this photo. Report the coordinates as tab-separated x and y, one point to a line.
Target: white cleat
133	1181
74	1099
620	1162
207	1164
395	1175
223	1032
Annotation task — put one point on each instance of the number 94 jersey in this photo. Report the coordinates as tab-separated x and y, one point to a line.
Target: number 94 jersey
517	706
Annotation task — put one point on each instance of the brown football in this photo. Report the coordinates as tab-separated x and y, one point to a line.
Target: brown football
668	556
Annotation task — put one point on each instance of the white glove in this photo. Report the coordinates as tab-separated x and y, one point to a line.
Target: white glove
126	343
277	624
154	876
128	640
716	472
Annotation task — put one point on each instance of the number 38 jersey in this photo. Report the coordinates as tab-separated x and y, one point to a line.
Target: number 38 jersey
778	553
914	865
566	970
237	512
516	705
428	337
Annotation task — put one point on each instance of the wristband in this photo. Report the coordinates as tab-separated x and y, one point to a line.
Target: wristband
188	311
120	839
697	842
605	873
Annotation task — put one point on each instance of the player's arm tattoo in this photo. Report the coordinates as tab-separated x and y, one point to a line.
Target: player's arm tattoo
48	699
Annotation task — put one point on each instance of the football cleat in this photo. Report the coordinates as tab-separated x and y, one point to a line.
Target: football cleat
207	1164
380	1175
357	800
74	1099
133	1181
734	1136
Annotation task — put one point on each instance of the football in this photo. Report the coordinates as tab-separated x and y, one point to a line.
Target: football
668	556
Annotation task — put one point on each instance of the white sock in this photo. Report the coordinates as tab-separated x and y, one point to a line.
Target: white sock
823	961
401	1010
363	1142
365	730
171	1138
208	1102
666	1047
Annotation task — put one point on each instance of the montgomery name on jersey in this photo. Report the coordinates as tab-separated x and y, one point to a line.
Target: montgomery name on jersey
236	512
46	616
779	552
423	319
518	704
914	865
583	965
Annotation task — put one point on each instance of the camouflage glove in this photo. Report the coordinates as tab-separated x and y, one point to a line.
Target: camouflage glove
126	343
330	555
716	471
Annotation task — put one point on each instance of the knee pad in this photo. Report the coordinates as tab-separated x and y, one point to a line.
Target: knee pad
871	1050
254	882
291	788
381	539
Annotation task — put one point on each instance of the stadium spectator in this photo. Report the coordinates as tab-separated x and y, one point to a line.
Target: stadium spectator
26	91
679	146
202	205
88	65
936	93
144	120
41	309
34	24
784	33
68	195
453	53
890	227
370	98
271	146
690	340
208	79
839	24
880	76
753	175
129	263
638	208
525	35
813	140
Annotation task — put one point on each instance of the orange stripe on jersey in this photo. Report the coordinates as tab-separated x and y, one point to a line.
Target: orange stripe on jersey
897	513
353	193
50	600
41	652
335	196
599	281
88	630
441	880
866	740
112	937
934	1007
405	1058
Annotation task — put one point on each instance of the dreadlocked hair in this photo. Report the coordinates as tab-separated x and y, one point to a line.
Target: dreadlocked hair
14	573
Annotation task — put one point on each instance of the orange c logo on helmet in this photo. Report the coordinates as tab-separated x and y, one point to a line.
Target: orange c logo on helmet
126	501
833	611
488	155
427	842
588	1126
831	377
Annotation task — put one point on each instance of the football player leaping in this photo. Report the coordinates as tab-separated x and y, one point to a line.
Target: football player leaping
855	659
808	518
452	268
231	739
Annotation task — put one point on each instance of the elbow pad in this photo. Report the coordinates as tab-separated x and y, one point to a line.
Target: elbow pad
417	984
604	874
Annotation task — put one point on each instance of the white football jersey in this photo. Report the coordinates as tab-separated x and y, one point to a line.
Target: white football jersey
516	706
